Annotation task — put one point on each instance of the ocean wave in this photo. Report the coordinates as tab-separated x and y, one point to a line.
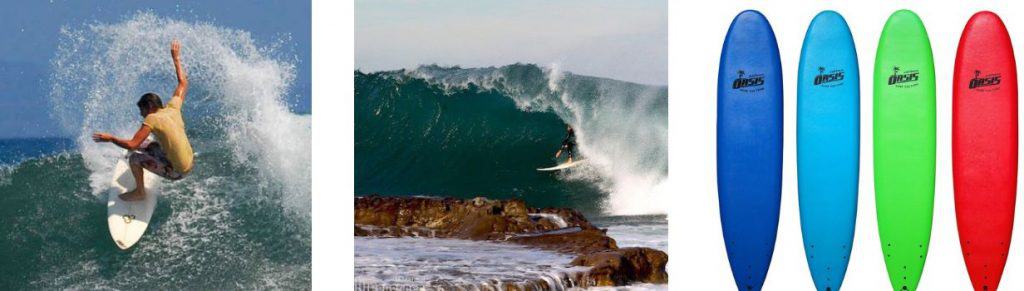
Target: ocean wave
457	131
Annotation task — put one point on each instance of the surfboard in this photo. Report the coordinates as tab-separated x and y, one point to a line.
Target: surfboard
828	147
562	166
904	146
128	220
749	146
985	146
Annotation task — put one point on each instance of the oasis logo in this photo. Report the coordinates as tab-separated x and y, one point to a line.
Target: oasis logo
746	81
979	81
903	79
829	79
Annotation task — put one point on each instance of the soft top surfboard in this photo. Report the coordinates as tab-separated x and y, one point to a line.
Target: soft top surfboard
828	147
749	146
128	220
904	146
985	146
562	166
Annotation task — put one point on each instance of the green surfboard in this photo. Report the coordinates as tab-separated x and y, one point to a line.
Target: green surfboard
904	146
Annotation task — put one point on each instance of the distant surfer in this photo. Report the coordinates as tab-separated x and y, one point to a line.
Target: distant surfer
568	145
170	156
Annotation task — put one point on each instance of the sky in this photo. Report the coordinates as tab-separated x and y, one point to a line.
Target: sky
31	34
623	40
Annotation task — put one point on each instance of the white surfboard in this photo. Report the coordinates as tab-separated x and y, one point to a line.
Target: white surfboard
562	166
128	219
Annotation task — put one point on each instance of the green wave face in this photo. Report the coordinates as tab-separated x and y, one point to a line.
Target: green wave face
414	138
468	132
904	146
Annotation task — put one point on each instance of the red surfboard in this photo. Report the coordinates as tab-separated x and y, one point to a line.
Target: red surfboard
985	146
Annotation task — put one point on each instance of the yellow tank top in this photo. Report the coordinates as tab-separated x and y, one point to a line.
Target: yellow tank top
169	128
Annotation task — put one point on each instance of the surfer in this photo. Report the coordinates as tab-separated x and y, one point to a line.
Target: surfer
170	156
568	145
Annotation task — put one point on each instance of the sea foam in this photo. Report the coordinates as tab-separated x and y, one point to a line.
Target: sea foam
236	98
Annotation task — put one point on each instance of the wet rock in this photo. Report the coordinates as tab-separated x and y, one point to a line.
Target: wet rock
510	220
361	231
622	266
584	241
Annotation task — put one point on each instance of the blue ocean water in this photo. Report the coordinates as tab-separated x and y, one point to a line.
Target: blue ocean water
13	151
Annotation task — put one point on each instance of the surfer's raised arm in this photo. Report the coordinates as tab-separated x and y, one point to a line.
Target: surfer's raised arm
182	77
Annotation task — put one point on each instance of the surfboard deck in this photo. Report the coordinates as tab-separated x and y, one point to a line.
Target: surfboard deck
828	147
128	220
749	146
904	146
562	166
985	147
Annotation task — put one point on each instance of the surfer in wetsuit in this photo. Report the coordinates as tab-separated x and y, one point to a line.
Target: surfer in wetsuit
568	145
170	156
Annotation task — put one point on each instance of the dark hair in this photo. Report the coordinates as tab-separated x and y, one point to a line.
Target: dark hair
150	101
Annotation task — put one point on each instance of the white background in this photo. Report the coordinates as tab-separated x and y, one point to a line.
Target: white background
333	146
697	254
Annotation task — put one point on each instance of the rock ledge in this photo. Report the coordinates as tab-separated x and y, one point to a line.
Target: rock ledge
557	229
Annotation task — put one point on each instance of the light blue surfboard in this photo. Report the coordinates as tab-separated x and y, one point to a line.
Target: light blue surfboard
828	138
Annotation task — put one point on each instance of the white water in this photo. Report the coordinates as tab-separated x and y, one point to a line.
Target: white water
418	262
553	218
619	130
413	262
648	234
237	89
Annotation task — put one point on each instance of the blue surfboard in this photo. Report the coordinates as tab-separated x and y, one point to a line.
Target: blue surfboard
828	147
749	146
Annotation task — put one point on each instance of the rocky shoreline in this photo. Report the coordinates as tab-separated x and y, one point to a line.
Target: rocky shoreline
556	229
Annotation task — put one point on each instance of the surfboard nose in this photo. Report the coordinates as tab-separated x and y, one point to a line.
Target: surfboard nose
750	17
905	18
829	19
750	13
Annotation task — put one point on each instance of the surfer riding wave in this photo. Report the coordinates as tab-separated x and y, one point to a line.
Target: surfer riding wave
171	155
568	145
